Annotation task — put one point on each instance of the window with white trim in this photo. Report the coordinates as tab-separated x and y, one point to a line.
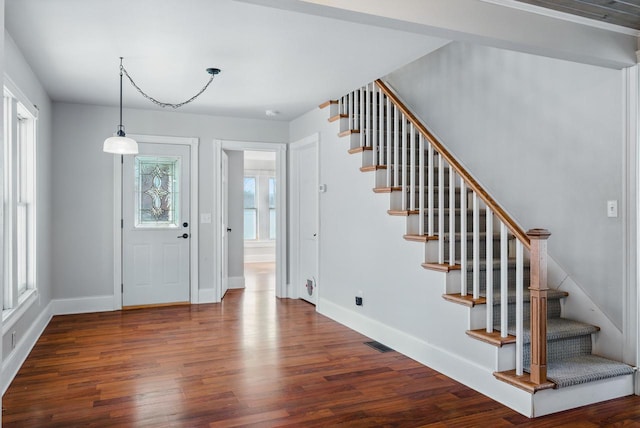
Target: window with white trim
19	177
259	206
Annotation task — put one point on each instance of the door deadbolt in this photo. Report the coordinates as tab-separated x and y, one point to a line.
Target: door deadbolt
185	224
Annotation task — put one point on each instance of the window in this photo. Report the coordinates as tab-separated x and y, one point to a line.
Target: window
19	199
250	209
259	207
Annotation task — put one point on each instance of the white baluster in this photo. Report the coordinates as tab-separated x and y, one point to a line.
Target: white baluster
389	163
452	217
440	209
396	148
361	114
412	160
489	274
352	109
430	184
504	284
373	119
340	105
404	166
383	143
519	311
476	247
463	237
421	186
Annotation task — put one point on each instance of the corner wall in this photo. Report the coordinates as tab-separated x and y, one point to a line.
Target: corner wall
29	324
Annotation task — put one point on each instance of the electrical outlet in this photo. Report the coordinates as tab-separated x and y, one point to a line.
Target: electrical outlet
359	297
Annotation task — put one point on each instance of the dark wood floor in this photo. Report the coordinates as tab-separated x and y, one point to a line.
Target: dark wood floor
250	361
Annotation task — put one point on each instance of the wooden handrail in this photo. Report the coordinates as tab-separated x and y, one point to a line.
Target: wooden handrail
518	232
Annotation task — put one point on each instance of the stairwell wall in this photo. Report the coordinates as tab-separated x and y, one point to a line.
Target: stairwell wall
544	136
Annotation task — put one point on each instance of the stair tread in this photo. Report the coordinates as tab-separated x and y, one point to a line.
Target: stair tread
557	328
552	294
511	298
583	369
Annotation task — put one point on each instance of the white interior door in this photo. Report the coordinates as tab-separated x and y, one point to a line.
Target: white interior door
156	225
306	195
225	223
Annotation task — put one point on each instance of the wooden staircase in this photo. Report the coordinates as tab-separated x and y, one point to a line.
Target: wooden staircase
489	259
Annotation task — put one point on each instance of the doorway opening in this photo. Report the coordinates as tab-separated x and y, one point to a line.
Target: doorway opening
259	220
251	225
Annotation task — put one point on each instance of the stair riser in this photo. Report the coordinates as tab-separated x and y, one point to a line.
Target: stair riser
457	221
561	348
511	278
554	310
395	199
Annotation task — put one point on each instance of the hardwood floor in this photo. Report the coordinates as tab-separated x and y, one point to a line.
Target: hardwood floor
251	361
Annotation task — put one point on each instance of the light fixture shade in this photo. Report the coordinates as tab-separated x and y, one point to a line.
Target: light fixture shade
120	145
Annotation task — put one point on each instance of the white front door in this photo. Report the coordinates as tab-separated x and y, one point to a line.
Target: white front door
156	225
305	195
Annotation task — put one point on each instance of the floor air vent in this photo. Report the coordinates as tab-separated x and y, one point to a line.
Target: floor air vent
378	346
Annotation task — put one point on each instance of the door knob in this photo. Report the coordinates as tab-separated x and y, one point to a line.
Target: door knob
184	235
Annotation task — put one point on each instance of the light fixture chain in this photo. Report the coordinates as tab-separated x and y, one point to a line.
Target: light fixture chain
160	103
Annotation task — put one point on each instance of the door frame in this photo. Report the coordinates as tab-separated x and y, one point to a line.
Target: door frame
192	142
314	140
280	149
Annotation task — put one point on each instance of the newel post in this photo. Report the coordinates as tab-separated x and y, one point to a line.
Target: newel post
538	289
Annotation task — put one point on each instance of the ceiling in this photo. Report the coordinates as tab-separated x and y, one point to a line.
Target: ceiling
271	59
625	13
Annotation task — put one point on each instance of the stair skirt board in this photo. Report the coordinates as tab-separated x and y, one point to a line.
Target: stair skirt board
479	378
557	400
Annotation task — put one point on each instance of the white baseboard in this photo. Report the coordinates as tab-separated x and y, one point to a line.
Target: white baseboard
452	365
236	282
16	358
82	305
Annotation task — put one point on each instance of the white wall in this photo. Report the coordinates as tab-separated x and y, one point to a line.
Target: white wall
361	246
544	136
21	74
83	175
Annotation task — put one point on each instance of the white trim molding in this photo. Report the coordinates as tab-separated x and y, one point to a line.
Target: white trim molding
280	150
294	275
631	217
193	143
17	357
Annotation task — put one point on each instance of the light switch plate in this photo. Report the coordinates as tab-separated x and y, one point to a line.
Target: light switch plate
612	208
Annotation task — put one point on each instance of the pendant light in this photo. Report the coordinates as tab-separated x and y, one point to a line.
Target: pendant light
120	144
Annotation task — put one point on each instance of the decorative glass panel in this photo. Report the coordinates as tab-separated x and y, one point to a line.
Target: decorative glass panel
157	191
